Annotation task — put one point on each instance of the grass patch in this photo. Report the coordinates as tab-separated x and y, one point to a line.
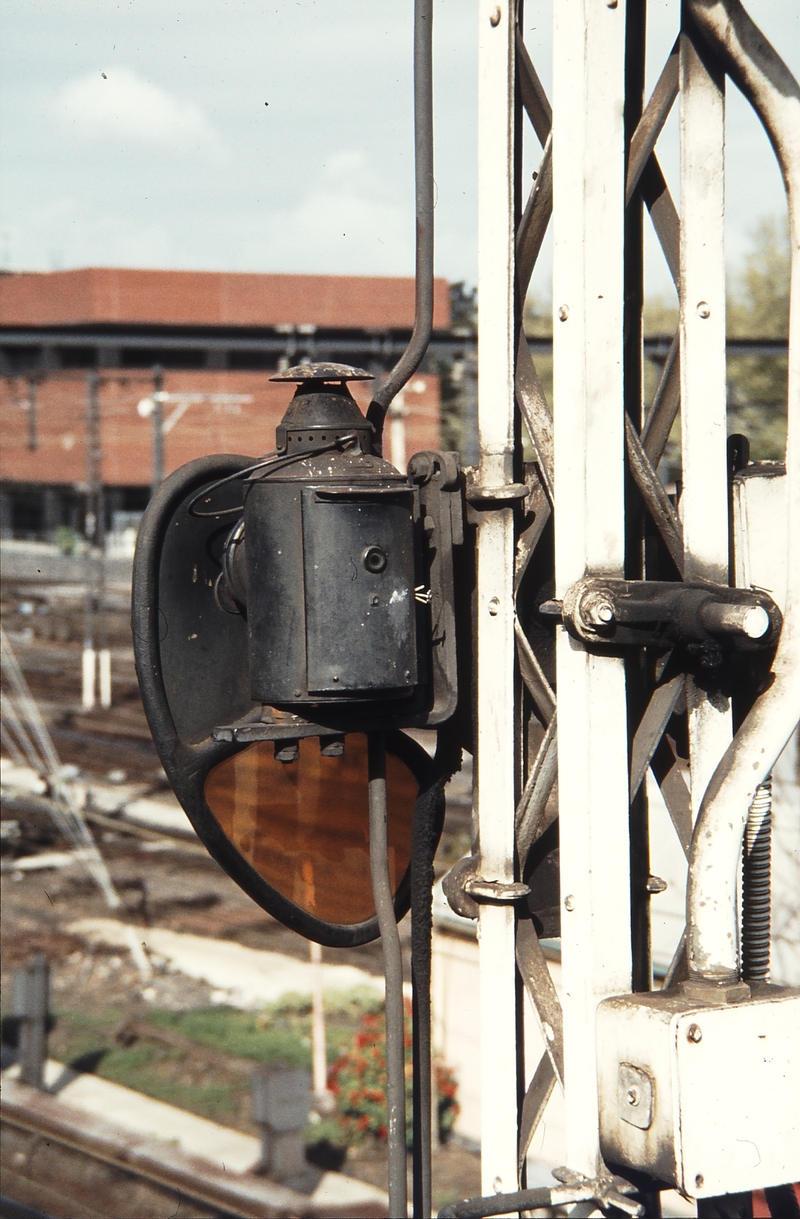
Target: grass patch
242	1034
87	1041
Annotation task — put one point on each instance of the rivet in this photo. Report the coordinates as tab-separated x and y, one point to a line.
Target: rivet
494	16
497	1185
703	309
494	606
335	678
563	312
569	902
699	1180
611	3
632	1097
694	1033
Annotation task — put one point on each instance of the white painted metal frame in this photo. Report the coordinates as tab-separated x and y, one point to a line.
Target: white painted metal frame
589	207
704	498
495	789
766	82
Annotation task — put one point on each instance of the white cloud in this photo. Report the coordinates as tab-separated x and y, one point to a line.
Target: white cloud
347	223
121	105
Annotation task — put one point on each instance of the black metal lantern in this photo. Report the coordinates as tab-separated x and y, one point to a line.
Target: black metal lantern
325	558
324	611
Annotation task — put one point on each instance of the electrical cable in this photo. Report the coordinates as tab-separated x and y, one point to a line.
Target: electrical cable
425	831
393	971
412	357
277	461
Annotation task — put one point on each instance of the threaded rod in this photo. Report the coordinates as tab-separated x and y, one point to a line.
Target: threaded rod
756	885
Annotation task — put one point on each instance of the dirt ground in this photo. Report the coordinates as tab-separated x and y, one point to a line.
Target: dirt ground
183	892
166	886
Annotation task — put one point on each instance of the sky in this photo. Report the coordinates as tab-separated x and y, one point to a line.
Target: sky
244	135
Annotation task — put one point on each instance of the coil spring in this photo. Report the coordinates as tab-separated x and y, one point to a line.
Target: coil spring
756	885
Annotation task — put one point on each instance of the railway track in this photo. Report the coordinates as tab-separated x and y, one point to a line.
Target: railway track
61	1163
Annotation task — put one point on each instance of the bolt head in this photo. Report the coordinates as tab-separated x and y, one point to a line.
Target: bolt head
597	610
694	1033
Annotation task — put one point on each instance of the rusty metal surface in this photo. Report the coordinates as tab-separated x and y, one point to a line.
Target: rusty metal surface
651	124
71	1163
665	406
534	98
325	371
535	974
652	491
540	1089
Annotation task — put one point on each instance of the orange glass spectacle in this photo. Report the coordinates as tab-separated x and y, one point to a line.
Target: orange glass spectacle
304	825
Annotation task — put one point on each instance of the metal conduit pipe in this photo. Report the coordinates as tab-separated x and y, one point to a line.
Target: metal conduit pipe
393	971
412	357
760	73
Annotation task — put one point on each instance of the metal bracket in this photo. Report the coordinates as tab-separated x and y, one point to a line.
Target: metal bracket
642	613
605	1190
484	497
465	888
635	1096
481	890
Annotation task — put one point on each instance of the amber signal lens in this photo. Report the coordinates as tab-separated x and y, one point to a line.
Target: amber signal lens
304	826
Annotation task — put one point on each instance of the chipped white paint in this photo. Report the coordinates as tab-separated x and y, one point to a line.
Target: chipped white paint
495	561
589	162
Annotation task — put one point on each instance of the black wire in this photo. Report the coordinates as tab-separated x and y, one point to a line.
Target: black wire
411	358
276	461
426	829
229	478
393	972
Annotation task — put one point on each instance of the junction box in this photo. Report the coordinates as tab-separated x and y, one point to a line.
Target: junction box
705	1098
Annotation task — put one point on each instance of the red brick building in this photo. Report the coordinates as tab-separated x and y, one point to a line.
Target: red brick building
213	335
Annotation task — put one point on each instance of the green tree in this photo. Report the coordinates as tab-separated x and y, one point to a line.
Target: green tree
758	307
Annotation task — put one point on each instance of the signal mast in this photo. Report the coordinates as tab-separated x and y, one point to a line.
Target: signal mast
611	627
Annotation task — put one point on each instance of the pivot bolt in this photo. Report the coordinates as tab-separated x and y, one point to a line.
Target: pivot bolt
597	610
